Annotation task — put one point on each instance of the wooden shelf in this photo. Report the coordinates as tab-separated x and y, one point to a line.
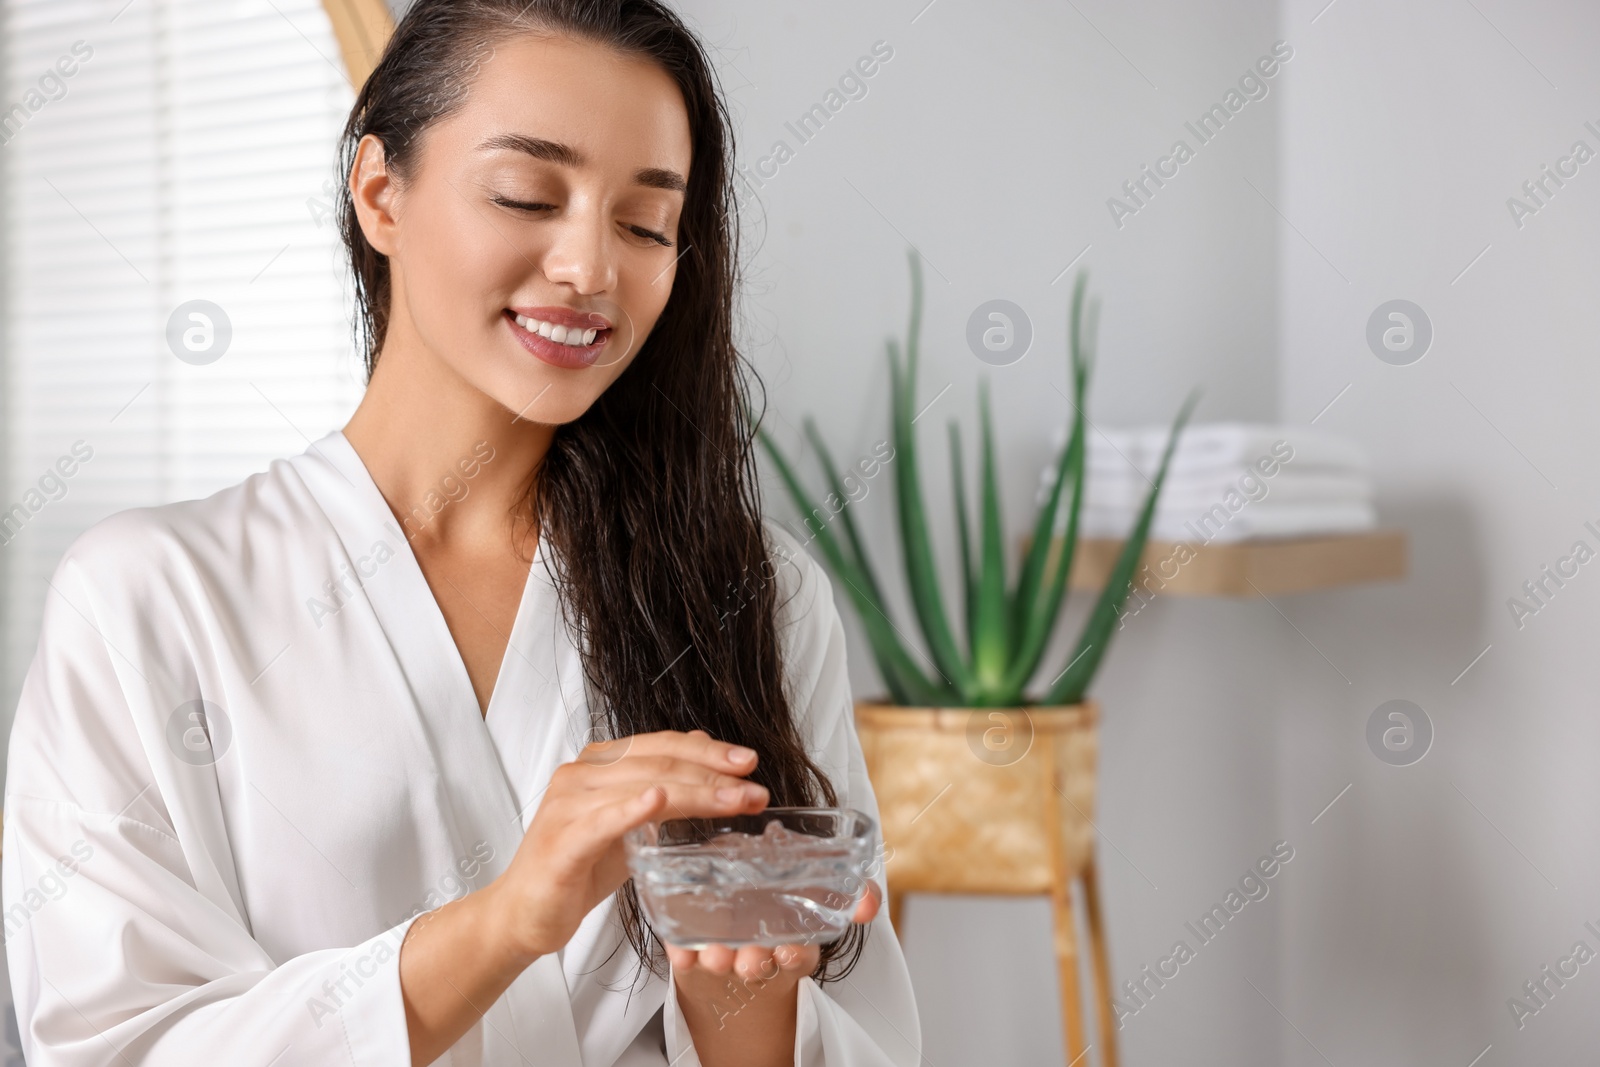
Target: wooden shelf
1253	568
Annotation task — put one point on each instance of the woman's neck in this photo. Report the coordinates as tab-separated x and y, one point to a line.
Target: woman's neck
452	463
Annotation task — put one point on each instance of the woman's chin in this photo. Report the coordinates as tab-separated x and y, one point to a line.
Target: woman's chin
535	392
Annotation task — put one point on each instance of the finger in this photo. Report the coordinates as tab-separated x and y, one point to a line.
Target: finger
797	959
703	802
655	769
698	747
867	907
683	960
718	959
575	809
589	838
755	962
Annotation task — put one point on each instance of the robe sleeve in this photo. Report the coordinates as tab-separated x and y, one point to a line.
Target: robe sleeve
126	944
869	1018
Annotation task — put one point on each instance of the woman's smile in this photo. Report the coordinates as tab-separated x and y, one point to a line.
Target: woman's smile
560	336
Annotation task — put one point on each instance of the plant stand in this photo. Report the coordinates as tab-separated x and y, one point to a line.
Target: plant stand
997	801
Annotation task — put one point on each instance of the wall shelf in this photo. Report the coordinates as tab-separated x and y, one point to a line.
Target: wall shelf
1257	568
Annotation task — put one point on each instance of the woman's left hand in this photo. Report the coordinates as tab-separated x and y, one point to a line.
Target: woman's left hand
741	1004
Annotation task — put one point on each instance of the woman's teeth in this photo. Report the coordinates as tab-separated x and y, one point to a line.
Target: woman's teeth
561	335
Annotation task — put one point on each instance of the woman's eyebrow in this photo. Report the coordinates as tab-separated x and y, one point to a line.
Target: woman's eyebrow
567	156
659	178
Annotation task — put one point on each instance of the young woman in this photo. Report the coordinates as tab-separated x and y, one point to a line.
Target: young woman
443	660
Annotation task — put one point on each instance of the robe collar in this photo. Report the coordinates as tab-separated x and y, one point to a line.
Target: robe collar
482	805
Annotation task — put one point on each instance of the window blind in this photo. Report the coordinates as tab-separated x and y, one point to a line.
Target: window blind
188	156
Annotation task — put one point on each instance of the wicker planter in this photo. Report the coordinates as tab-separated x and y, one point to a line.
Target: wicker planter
1001	801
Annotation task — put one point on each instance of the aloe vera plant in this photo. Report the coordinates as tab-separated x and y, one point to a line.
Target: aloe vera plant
1007	625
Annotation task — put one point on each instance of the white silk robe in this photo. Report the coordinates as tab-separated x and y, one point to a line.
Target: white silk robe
229	882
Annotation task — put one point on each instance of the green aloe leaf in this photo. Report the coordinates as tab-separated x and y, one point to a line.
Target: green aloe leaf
969	577
837	487
1027	615
1070	686
917	547
1041	621
904	679
991	639
1006	631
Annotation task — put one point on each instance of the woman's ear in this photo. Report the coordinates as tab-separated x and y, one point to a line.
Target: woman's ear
373	191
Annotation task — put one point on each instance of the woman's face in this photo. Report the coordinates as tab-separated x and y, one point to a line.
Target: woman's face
534	244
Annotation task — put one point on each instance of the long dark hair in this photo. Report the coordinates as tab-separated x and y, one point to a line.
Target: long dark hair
650	498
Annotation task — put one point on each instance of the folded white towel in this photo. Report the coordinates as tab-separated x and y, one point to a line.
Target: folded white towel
1197	490
1219	444
1217	524
1227	482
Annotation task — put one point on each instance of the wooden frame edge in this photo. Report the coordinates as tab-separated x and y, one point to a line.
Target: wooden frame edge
362	28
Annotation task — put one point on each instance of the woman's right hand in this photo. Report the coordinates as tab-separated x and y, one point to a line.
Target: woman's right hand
469	951
572	857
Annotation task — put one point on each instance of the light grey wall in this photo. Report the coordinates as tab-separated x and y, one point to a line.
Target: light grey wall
992	140
1432	892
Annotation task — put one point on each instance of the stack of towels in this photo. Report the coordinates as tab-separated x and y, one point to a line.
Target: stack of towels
1229	481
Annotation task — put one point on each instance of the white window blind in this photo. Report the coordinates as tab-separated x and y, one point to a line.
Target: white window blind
186	158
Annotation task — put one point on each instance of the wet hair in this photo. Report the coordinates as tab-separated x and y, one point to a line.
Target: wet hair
650	498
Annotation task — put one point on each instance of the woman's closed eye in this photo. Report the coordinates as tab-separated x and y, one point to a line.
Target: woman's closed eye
521	205
535	207
651	235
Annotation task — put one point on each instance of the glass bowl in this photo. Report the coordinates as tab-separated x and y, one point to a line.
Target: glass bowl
784	876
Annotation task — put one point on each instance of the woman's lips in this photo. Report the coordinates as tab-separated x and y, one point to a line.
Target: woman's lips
547	331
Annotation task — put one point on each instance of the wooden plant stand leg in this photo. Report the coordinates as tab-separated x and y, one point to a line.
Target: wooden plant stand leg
1066	945
897	905
1066	930
1105	1018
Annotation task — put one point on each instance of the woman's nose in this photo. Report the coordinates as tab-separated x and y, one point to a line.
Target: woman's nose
582	254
